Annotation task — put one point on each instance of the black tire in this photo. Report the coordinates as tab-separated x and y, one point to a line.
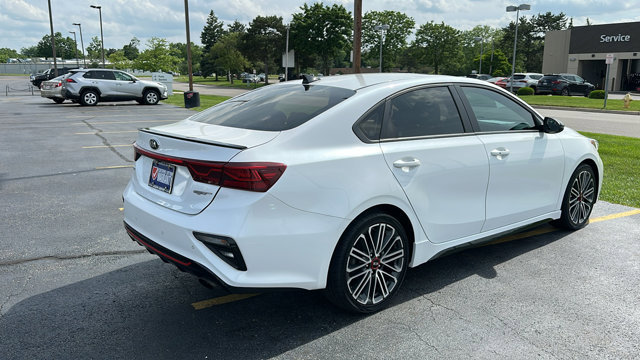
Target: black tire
151	97
579	198
565	92
58	100
360	279
89	98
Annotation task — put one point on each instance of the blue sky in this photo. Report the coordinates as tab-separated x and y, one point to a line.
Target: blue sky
24	22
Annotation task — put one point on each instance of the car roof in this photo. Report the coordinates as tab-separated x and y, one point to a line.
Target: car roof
360	81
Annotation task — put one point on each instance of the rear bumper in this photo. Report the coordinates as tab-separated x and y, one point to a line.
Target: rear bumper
282	247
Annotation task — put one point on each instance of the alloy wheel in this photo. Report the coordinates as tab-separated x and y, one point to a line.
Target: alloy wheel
582	197
375	264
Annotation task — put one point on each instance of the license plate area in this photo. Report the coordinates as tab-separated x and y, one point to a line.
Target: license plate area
161	176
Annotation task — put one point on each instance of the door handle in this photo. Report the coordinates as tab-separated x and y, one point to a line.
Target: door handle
500	153
406	164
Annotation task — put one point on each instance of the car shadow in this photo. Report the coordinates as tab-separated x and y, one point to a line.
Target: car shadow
145	311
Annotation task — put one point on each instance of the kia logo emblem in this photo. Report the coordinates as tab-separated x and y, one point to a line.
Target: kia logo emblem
154	144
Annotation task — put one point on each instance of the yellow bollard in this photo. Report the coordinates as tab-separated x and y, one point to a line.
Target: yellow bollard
627	100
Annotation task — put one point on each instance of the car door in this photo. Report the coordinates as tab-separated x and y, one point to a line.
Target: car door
104	81
443	169
526	164
126	86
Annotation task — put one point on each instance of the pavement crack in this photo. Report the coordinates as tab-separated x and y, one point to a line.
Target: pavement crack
105	142
422	339
13	295
517	333
71	257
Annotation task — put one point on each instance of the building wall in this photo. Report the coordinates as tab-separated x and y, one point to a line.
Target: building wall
556	50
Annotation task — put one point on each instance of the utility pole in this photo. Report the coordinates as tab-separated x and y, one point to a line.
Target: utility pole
357	35
186	20
53	42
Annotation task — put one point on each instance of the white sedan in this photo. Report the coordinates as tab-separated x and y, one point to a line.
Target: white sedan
346	182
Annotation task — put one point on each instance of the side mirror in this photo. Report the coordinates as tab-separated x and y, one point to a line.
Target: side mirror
552	126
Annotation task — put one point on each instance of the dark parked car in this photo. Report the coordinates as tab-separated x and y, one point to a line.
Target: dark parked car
564	84
48	74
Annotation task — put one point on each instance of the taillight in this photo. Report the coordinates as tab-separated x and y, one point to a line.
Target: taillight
58	84
251	176
70	80
556	82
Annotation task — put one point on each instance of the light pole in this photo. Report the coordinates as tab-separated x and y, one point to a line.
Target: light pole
515	38
491	63
53	43
101	36
478	38
382	29
84	61
286	62
75	41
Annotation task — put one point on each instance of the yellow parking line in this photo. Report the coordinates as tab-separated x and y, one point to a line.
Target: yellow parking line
114	167
105	146
221	300
105	132
615	216
121	209
549	228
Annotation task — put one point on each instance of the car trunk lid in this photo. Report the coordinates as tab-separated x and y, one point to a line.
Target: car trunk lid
172	161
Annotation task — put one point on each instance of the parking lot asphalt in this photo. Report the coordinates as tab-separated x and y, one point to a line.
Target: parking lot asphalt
73	285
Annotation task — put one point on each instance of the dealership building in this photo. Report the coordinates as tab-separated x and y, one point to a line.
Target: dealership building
582	50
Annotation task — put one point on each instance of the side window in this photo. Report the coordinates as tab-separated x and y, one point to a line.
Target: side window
88	75
369	126
122	76
496	112
423	112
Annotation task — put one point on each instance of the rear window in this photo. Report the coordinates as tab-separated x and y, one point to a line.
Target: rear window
519	77
274	108
536	77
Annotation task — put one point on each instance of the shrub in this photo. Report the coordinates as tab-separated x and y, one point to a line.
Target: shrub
525	91
596	94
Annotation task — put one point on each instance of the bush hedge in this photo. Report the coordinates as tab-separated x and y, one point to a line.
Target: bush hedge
596	94
525	91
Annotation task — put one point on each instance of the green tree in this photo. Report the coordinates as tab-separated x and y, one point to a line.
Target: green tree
264	41
530	46
211	32
119	61
236	27
131	50
64	47
471	48
395	38
157	57
94	49
179	50
321	32
227	56
6	54
439	43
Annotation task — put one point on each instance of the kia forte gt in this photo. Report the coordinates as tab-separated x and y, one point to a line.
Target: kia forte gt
344	183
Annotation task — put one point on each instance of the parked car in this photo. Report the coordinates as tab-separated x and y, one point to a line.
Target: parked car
521	80
48	74
52	89
494	80
564	84
344	183
261	77
480	76
250	78
502	82
90	86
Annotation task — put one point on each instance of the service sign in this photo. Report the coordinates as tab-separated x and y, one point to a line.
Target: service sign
609	38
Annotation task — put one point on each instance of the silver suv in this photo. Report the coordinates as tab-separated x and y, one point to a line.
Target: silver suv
89	86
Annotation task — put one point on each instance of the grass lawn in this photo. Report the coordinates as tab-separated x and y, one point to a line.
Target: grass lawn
621	158
206	101
579	102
